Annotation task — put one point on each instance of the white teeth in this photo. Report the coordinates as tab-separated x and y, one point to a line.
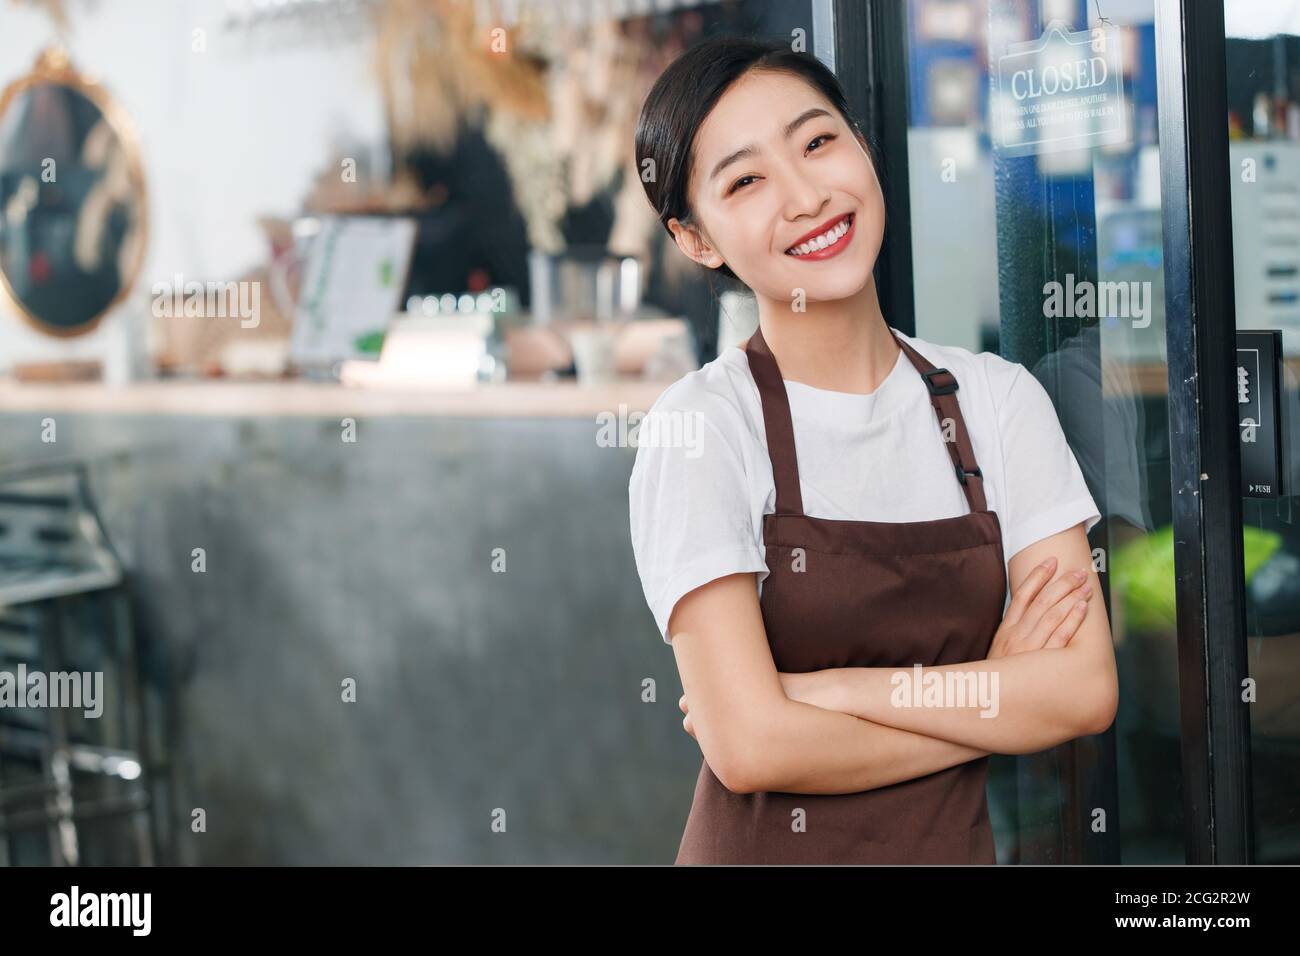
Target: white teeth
822	241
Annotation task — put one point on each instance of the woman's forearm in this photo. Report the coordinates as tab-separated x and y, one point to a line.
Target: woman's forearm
802	748
1019	704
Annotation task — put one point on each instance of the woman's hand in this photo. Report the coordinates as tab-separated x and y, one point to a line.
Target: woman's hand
1042	614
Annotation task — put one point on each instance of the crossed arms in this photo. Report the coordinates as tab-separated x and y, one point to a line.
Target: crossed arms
837	731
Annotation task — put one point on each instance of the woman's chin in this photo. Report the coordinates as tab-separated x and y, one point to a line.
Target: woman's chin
830	279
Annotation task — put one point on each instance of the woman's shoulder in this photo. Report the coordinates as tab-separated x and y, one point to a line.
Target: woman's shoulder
985	372
717	391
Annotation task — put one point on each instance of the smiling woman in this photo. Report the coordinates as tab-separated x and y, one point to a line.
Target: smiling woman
678	120
905	527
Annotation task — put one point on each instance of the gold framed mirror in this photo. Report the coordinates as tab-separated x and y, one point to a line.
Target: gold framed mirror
73	204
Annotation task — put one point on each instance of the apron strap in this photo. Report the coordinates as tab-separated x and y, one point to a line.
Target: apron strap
777	423
943	396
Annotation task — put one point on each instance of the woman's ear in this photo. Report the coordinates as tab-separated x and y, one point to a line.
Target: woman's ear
694	245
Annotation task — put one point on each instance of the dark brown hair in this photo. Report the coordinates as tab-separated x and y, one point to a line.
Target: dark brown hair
686	92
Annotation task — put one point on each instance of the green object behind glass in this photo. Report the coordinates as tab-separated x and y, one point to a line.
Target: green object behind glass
1143	572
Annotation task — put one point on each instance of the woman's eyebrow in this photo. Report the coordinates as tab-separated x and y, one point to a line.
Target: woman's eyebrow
751	149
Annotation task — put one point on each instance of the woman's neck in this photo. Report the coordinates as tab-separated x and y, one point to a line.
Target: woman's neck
842	345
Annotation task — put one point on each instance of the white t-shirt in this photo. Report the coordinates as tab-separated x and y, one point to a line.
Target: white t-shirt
702	480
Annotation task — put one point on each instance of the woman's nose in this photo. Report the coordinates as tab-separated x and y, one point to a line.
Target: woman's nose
804	195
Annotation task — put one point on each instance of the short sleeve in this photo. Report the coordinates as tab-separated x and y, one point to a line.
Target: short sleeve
1045	489
688	502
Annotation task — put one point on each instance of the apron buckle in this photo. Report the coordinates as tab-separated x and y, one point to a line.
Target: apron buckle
939	389
962	473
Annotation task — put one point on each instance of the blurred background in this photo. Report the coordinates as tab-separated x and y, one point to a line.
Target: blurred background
324	330
310	320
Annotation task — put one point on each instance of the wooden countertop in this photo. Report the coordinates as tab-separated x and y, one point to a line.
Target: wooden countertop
327	400
297	398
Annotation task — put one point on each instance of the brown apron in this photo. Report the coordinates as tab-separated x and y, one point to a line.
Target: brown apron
870	594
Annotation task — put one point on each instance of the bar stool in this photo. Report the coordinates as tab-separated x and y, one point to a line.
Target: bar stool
75	788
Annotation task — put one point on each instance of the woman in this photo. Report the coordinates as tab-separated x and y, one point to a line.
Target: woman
826	553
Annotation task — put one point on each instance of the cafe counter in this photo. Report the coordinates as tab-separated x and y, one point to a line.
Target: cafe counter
464	558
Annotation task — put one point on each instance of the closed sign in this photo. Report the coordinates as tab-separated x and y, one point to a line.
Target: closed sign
1064	90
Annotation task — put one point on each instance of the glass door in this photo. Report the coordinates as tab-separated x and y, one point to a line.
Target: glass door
1037	159
1262	92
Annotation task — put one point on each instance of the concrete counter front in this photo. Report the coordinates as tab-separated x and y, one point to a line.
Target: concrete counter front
465	559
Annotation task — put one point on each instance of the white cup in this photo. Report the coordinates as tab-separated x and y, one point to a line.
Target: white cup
593	355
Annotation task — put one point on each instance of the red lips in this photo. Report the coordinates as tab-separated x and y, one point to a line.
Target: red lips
835	248
824	227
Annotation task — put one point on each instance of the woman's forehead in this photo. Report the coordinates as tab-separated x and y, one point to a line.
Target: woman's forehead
755	108
754	112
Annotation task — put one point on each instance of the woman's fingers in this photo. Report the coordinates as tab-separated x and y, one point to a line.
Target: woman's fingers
1069	626
1028	590
1042	633
1043	611
1052	595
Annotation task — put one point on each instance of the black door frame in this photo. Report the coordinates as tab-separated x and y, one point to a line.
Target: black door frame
1205	454
871	58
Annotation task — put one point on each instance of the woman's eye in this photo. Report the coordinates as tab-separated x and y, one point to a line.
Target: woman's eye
739	183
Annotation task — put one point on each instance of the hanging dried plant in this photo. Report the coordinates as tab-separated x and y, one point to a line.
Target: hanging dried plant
595	84
437	64
557	99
